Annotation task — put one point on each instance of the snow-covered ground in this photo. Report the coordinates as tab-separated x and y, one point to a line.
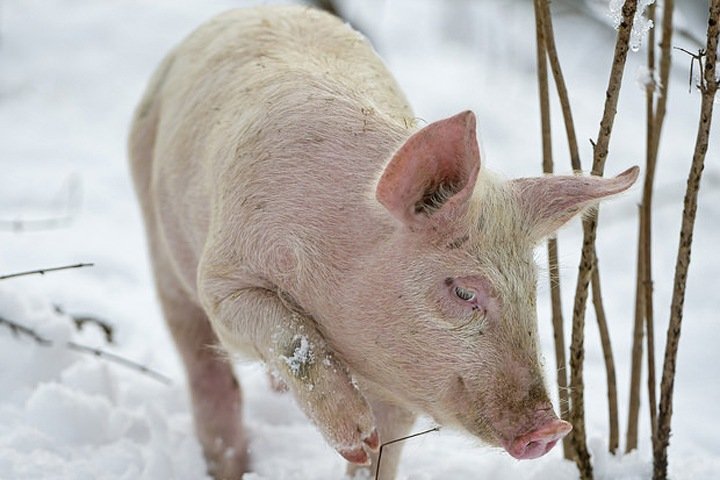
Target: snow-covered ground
70	74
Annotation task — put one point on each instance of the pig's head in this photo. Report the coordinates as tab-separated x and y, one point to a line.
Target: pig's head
455	329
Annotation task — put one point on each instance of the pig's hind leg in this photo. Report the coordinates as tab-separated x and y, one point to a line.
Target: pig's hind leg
214	390
215	393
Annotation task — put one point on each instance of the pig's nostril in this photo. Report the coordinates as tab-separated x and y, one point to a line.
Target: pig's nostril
538	442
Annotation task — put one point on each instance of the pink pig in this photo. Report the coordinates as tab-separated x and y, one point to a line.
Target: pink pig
297	215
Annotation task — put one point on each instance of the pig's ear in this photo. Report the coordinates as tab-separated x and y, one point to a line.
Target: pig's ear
433	173
548	202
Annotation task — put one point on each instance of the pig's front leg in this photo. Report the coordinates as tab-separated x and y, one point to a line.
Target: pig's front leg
393	422
291	345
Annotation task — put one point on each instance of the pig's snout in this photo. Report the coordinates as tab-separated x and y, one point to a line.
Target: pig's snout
538	442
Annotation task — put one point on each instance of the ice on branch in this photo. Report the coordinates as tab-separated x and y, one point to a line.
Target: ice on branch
641	24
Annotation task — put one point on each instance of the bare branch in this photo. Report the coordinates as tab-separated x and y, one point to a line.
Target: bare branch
648	186
613	440
710	84
631	435
554	276
402	439
577	351
81	320
21	330
543	8
43	271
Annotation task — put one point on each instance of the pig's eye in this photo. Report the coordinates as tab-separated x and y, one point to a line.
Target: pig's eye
465	294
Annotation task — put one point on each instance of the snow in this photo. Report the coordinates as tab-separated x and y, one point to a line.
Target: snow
641	24
302	355
72	71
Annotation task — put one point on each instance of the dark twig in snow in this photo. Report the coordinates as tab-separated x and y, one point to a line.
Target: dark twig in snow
401	439
43	271
81	320
695	57
543	7
655	115
552	246
19	330
24	225
709	88
613	440
587	261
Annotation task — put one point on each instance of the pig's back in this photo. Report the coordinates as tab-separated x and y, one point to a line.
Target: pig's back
274	124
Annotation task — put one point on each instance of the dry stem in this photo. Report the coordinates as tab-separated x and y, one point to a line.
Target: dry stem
554	276
21	330
43	271
543	9
402	439
648	186
585	268
631	436
613	441
709	88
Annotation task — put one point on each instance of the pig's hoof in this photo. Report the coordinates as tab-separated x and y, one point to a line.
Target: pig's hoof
227	463
358	454
231	466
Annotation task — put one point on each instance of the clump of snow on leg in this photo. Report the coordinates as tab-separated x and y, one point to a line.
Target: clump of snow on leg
302	355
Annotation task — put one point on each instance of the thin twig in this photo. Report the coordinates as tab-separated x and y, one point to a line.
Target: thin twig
654	116
710	86
577	351
631	434
401	439
81	320
43	271
549	36
648	187
552	246
613	440
32	225
20	330
694	57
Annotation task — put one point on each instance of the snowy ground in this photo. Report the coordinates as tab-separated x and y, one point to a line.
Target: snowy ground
70	74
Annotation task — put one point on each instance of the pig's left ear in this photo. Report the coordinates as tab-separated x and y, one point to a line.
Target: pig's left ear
433	173
548	202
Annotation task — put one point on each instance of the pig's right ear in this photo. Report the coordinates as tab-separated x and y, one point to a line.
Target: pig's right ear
549	202
433	173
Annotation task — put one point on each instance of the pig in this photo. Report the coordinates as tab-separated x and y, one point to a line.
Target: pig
298	215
